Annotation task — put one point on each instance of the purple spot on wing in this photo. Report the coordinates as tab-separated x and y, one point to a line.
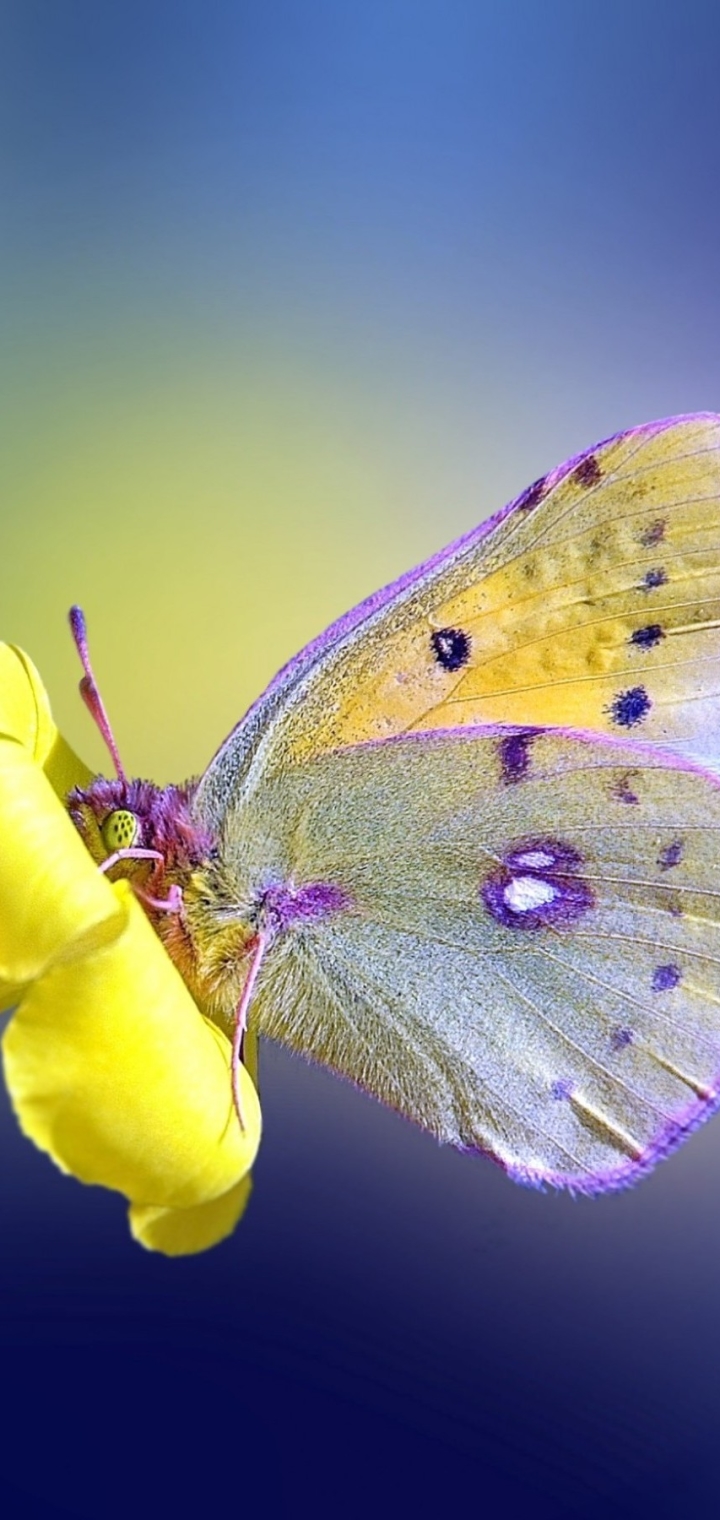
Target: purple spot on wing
620	1039
629	707
515	755
665	978
671	855
653	534
652	579
562	1089
556	856
622	788
532	495
508	891
588	472
648	637
287	904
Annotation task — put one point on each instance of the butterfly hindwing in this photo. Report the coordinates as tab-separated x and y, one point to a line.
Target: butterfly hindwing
525	952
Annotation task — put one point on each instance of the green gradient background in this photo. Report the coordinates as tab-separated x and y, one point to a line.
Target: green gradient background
290	295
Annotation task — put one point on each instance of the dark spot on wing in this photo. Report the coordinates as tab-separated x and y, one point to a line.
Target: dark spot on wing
514	752
629	707
652	579
647	637
532	496
562	1089
622	788
588	472
653	534
665	978
620	1038
451	647
671	855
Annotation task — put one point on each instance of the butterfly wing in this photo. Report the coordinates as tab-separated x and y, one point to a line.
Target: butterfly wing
592	601
526	955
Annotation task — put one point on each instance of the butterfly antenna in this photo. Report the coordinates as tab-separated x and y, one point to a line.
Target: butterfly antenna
89	689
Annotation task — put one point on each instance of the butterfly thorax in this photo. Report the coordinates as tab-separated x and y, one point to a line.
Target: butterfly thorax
148	835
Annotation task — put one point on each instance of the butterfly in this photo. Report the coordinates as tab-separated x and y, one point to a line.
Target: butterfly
461	850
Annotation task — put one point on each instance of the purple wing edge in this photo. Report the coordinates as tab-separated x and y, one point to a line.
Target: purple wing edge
669	1139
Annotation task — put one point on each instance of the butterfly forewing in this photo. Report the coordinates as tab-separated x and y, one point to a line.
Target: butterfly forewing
527	959
593	601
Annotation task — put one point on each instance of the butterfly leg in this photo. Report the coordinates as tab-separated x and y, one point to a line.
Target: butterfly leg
173	903
261	944
129	854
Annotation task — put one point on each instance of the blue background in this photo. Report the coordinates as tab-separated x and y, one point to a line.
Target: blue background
291	294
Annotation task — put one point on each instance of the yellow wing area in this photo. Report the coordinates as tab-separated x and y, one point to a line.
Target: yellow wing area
594	602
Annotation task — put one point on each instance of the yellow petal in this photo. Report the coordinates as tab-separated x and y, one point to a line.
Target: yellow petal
25	716
63	768
24	706
10	995
184	1232
113	1070
53	900
30	930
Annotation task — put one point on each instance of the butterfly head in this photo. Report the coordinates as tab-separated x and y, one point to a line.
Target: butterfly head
142	828
134	828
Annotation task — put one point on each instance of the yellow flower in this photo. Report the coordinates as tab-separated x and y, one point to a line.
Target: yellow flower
111	1067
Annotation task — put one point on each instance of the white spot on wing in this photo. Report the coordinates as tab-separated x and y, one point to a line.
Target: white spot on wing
524	893
535	860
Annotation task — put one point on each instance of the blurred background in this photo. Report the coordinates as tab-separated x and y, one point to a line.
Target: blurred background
291	294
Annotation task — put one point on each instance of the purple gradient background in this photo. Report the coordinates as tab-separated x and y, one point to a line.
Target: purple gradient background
292	294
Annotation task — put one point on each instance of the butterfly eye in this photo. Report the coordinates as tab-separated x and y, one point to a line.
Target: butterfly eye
120	830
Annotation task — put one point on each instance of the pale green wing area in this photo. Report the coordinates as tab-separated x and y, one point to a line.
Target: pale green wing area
528	961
